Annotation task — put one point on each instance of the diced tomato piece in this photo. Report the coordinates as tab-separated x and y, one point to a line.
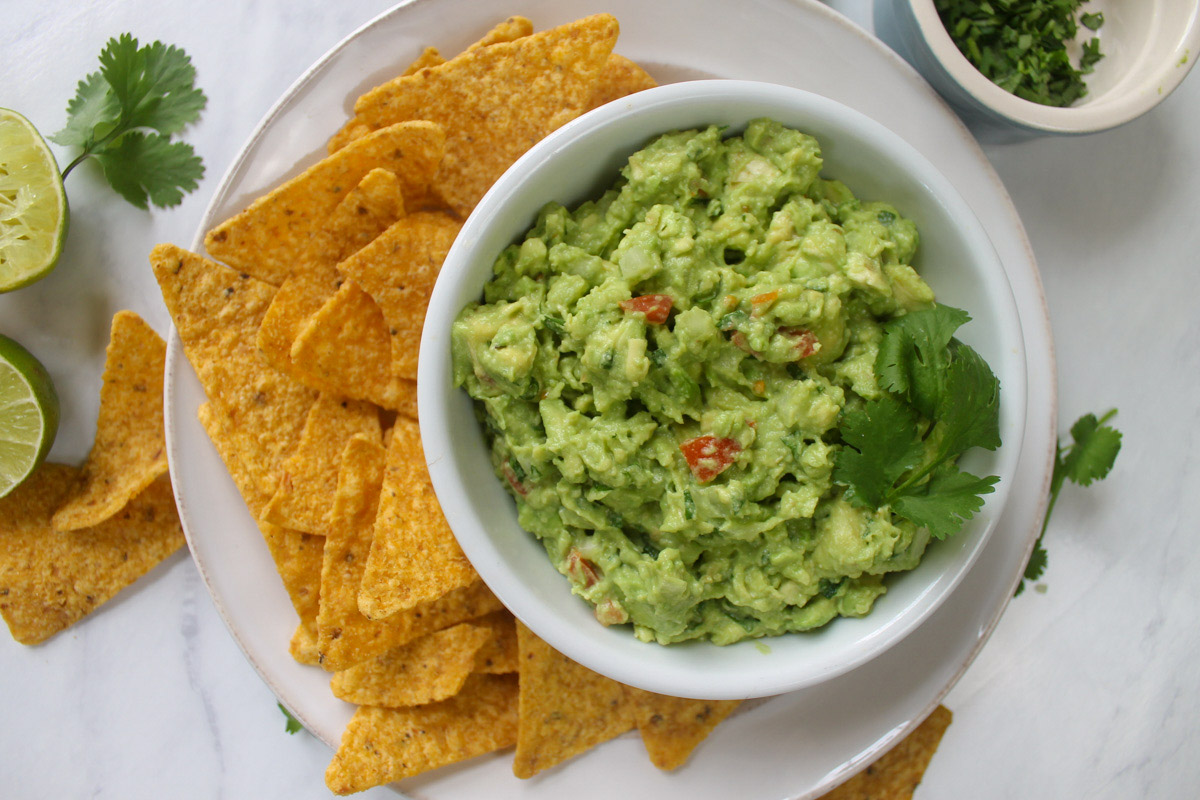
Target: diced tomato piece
708	456
761	302
806	341
656	307
580	570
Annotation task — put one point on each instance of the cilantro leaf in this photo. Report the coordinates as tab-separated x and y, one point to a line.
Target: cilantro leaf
1021	45
1089	458
292	725
882	443
1094	451
124	114
152	84
913	355
941	399
93	111
141	167
949	499
1035	566
969	415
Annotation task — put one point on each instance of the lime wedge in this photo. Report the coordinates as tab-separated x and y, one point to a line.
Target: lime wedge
28	414
33	204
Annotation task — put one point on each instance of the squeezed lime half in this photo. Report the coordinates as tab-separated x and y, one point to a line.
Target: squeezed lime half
28	414
33	204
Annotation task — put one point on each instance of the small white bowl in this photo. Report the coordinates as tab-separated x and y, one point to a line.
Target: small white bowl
1148	45
577	162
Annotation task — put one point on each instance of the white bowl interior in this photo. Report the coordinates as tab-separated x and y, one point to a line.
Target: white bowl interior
1148	45
577	162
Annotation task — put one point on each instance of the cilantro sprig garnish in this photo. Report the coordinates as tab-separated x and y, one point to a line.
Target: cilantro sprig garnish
1021	45
125	115
940	400
1089	458
292	725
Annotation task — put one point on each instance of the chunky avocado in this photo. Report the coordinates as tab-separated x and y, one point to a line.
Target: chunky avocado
661	371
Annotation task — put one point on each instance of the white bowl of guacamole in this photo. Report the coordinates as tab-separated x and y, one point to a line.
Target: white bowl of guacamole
689	397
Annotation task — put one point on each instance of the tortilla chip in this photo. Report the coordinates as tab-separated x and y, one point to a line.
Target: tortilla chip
273	233
620	78
344	636
512	28
362	215
297	555
310	475
454	607
429	669
50	580
499	653
381	745
303	646
565	708
672	727
346	347
130	449
896	774
414	556
495	102
398	270
259	410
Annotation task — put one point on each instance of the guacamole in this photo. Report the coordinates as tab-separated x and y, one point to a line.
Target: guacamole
661	371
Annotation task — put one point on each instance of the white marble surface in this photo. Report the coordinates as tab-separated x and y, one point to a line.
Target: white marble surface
1088	688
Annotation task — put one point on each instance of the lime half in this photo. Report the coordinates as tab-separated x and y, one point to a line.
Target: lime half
28	414
33	204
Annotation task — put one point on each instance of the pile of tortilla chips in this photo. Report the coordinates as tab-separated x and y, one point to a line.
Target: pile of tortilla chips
71	538
303	325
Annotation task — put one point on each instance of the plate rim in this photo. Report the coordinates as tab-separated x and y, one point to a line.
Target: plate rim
177	360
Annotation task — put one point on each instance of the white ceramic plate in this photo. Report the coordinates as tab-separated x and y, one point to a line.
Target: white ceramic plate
793	746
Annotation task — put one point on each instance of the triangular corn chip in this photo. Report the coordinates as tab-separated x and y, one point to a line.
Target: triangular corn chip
261	411
381	745
896	774
310	474
273	233
566	708
398	270
51	580
130	449
362	215
496	102
346	347
499	654
414	555
672	727
512	28
429	669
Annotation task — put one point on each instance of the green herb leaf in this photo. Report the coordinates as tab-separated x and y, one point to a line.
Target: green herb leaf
949	499
124	114
293	725
1089	458
141	167
1021	45
941	400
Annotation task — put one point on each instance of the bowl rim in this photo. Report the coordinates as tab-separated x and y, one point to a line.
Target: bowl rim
435	391
1104	112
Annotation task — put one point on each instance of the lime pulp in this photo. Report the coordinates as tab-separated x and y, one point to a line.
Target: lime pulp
33	204
28	414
